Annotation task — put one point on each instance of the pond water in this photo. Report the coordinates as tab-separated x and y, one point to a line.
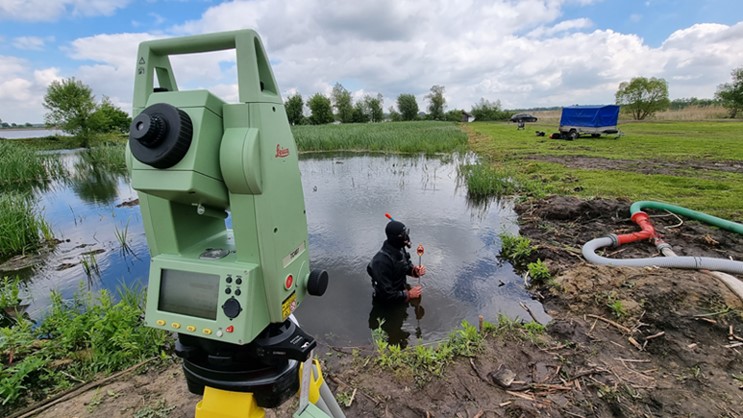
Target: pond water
346	198
29	133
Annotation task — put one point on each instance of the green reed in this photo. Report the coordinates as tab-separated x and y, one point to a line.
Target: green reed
21	228
397	137
22	167
104	158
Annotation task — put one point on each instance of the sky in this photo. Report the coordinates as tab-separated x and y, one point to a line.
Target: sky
522	53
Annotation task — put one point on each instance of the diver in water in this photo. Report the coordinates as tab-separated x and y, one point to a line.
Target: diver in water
389	270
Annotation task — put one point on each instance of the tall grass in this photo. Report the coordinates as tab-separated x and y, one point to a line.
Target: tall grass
105	158
71	142
692	113
21	167
398	137
485	180
21	228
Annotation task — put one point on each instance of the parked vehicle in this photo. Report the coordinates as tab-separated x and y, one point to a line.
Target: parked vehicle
588	120
523	117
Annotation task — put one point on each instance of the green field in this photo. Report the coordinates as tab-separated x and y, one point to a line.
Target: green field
690	164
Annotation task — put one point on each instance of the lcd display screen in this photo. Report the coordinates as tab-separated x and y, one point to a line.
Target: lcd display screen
189	293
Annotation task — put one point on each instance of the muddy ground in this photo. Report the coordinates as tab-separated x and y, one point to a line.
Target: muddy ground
670	347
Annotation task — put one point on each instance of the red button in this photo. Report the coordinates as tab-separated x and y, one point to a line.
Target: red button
289	281
230	328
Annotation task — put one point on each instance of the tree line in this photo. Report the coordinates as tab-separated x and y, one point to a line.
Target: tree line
642	97
72	106
340	107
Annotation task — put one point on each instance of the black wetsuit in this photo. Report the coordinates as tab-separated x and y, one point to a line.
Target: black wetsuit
389	270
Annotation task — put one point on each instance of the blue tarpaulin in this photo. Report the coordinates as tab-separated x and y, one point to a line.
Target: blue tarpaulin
590	116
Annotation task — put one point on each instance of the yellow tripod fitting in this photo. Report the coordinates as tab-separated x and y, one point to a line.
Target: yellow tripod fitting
218	403
316	382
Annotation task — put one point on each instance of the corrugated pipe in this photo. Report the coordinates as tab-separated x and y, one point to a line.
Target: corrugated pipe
716	265
684	262
732	282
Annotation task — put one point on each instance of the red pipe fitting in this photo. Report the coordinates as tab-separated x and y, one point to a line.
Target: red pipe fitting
643	221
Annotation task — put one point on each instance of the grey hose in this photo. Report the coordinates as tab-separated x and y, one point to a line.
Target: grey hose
732	282
684	262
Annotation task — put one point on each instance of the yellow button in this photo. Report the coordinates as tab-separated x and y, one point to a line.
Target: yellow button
207	331
191	328
160	322
175	325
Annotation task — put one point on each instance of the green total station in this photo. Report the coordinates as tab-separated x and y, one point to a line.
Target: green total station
194	159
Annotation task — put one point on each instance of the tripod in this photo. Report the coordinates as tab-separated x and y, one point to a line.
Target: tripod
239	381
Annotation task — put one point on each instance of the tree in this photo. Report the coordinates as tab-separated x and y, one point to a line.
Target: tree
487	110
376	114
408	106
71	105
361	113
642	97
342	103
455	115
731	94
107	117
395	116
684	102
321	109
294	109
436	103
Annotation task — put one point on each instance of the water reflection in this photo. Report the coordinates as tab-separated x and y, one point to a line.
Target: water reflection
346	198
95	179
392	319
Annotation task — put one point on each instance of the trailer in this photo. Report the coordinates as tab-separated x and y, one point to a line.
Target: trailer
588	120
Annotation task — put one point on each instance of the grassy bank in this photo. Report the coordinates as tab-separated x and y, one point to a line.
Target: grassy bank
398	137
77	341
691	164
70	142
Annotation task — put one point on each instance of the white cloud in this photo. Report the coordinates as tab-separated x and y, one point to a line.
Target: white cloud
564	26
32	43
51	10
46	76
21	91
523	53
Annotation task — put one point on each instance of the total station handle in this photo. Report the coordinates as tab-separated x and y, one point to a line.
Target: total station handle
255	79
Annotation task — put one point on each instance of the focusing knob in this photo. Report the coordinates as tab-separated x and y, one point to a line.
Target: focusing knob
161	135
231	308
148	129
317	283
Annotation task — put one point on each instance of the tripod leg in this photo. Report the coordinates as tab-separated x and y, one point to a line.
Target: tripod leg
218	403
322	402
330	402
